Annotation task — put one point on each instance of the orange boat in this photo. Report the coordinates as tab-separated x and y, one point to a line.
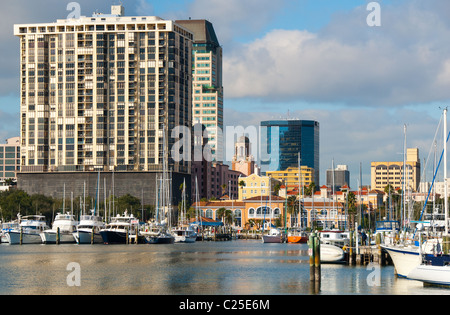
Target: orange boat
300	238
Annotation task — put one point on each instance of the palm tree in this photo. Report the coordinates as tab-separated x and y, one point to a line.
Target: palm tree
225	215
224	189
351	199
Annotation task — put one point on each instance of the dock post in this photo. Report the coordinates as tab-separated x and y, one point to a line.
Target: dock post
378	239
445	245
57	236
92	236
137	233
312	273
21	235
317	267
350	252
127	237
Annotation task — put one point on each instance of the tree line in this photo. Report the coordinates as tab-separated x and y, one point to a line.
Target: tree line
16	201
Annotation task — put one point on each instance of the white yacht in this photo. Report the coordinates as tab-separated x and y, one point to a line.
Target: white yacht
66	225
7	227
331	253
88	230
29	229
184	234
335	237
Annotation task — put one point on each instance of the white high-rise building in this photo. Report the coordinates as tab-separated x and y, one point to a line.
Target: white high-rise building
98	92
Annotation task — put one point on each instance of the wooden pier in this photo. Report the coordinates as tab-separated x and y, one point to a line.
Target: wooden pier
365	255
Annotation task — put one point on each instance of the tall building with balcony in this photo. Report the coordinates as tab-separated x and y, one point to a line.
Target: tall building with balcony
103	93
207	86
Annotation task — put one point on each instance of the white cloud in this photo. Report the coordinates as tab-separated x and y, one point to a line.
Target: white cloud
357	135
405	61
236	18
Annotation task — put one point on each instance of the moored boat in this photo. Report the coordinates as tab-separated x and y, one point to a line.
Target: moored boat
274	236
121	230
61	231
297	237
433	275
335	237
163	237
331	253
184	234
88	230
28	231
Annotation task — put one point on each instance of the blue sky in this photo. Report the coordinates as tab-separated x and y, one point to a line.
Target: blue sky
317	59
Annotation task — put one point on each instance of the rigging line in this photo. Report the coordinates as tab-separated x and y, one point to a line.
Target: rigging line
431	149
431	187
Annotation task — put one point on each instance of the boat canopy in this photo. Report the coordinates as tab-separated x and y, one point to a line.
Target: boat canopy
207	222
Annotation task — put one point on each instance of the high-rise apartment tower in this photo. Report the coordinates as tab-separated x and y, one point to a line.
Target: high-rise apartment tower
99	93
207	89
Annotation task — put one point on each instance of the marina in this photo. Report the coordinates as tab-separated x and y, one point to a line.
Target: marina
241	267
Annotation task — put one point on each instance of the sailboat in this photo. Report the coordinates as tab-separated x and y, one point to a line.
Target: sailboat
274	235
184	233
88	230
62	228
409	259
435	269
298	235
163	217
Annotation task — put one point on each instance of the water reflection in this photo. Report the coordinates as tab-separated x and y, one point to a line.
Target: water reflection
238	267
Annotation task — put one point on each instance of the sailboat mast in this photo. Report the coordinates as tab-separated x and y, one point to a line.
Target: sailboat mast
299	187
445	172
404	178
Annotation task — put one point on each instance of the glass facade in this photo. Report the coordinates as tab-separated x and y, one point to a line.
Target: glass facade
285	139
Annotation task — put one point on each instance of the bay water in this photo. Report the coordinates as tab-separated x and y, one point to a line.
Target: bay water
240	267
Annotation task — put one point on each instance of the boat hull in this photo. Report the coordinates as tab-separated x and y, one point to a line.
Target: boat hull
434	275
49	237
85	237
331	253
297	239
119	237
272	239
160	239
405	259
186	239
13	237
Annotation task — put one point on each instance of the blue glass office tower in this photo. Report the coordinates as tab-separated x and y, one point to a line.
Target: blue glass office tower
285	139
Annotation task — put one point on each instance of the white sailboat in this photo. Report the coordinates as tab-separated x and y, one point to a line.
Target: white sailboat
163	212
331	253
184	233
62	228
274	236
407	257
88	230
436	270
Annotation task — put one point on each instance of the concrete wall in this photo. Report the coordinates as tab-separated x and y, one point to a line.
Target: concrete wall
133	183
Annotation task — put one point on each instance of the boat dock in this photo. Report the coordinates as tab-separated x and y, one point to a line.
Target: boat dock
365	255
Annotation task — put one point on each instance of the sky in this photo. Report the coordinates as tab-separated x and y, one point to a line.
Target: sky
306	59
